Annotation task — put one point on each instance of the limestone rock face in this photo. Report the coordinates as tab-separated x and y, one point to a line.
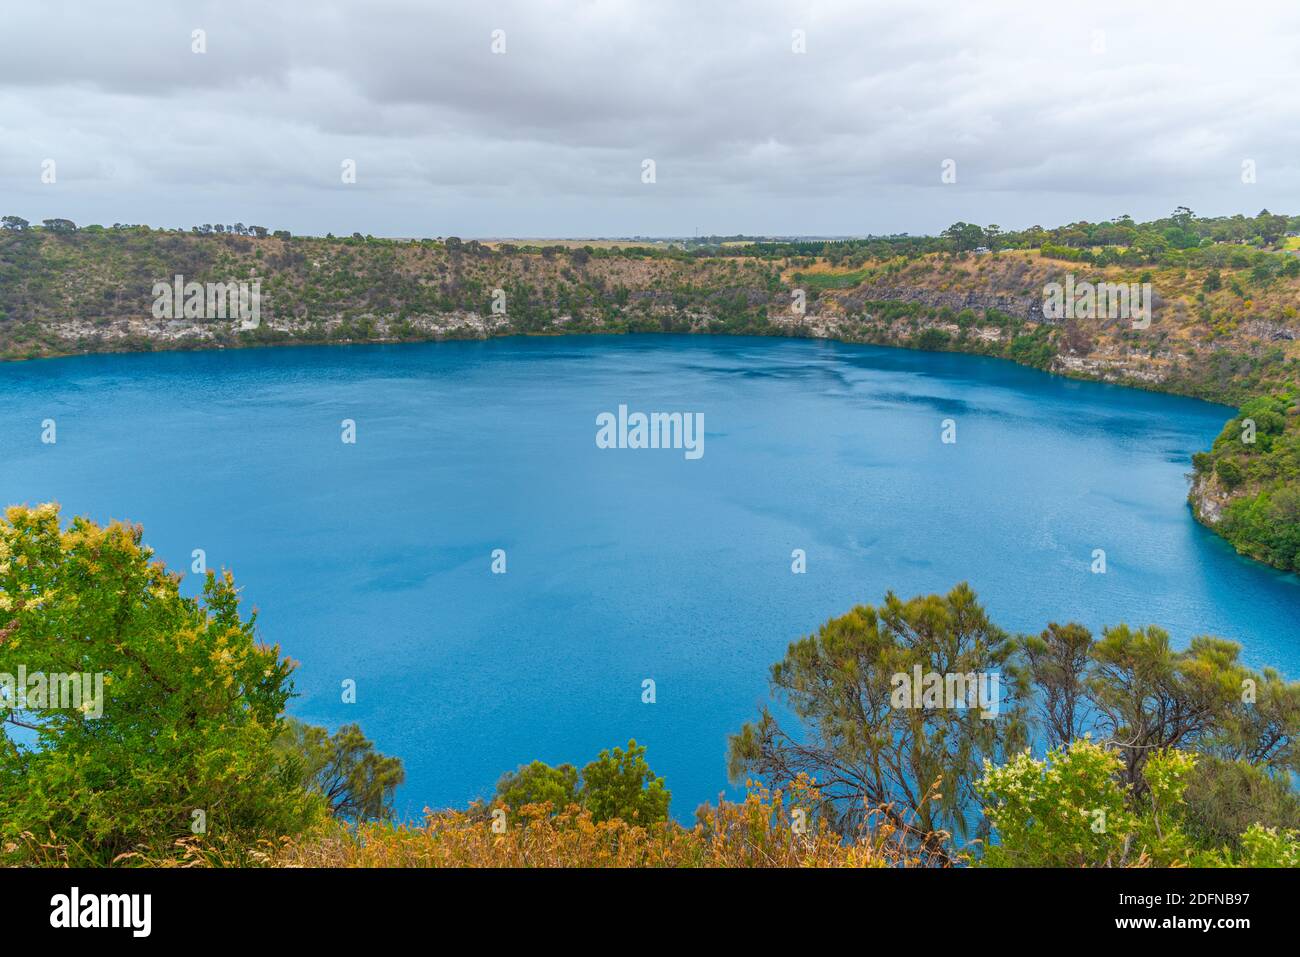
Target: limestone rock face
1208	499
1028	308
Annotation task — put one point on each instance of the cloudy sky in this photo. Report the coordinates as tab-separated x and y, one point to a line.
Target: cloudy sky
1052	112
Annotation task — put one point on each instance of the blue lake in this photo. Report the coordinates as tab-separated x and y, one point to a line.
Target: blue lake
372	561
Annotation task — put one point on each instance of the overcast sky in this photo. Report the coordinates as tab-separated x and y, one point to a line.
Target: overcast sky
1047	119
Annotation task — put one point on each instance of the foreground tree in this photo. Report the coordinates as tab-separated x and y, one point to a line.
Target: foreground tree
1074	809
913	762
1057	666
182	740
1151	698
1224	798
870	750
357	781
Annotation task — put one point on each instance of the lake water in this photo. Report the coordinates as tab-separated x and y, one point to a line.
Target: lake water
372	561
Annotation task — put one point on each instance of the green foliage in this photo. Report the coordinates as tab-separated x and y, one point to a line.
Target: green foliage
870	750
1067	811
1134	689
1057	663
865	751
1256	459
967	236
357	782
539	783
1033	348
1073	810
618	784
1229	472
1269	847
933	340
191	701
1150	698
1226	797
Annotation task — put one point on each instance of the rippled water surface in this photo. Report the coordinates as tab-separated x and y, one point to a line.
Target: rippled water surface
372	561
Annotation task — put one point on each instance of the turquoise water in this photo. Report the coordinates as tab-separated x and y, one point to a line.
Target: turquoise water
372	561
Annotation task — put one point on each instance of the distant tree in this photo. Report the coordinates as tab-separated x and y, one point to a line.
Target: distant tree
1229	473
1261	274
964	236
16	223
59	225
1270	227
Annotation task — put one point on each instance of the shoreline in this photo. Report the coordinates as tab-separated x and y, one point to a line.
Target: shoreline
776	332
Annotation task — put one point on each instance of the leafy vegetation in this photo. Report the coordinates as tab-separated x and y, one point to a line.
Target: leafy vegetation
1255	465
1071	810
964	767
177	726
356	781
618	784
868	753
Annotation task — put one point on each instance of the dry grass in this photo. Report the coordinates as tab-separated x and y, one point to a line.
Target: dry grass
757	832
754	833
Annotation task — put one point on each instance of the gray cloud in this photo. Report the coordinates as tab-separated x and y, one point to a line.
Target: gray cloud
548	139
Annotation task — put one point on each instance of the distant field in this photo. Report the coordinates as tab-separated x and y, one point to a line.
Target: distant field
578	243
